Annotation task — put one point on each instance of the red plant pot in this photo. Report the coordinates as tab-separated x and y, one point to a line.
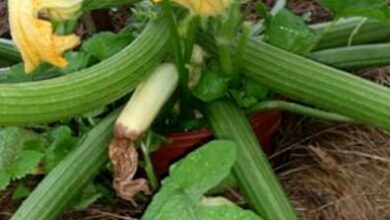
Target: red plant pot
264	124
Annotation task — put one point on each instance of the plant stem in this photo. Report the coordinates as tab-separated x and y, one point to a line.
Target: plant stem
252	170
89	23
225	59
299	109
149	169
316	84
279	5
361	56
241	46
8	52
191	36
185	98
339	34
96	4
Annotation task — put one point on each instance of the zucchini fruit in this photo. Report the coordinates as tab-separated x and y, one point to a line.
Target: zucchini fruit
252	170
314	83
361	56
77	93
70	176
311	82
337	34
8	53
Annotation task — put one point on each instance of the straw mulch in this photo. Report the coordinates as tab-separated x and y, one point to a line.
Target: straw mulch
335	172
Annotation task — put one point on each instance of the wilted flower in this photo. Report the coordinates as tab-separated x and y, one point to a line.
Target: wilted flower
34	36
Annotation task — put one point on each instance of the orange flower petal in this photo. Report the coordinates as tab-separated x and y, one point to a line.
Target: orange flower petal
34	37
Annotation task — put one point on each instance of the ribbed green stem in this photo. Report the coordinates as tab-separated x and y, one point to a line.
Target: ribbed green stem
252	169
8	52
316	84
64	97
339	33
149	169
355	57
319	85
299	109
185	99
96	4
62	184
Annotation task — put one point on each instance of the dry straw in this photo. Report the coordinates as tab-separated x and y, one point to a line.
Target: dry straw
337	172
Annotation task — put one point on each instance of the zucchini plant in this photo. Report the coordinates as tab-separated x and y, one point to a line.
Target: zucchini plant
72	97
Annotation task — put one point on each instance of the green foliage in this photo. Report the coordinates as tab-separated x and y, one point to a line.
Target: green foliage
62	142
96	4
212	86
21	192
99	47
288	31
90	194
256	90
181	194
377	9
22	150
20	153
103	45
76	61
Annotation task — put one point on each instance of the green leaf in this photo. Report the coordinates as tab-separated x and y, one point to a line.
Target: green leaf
62	142
20	153
87	197
256	90
21	192
206	166
181	193
222	209
5	179
377	9
151	141
242	99
76	61
211	87
13	141
26	162
106	44
289	32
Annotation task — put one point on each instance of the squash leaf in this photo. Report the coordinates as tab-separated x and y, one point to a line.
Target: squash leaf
377	9
20	153
289	32
181	195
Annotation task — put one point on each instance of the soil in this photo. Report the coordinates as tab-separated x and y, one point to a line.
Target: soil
3	17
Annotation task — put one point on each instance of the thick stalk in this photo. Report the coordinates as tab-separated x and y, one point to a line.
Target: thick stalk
252	170
185	99
338	34
68	178
8	52
372	55
96	4
335	36
64	97
299	109
316	84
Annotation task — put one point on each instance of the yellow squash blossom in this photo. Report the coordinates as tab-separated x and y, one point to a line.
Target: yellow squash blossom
34	36
204	7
